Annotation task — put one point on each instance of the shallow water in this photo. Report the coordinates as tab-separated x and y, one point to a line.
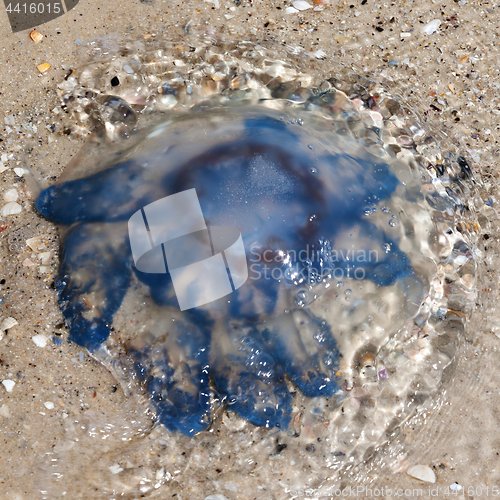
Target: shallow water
416	346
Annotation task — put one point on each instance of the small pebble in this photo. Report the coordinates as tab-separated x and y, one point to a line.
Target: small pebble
302	5
423	473
40	340
3	168
49	405
43	68
12	208
456	487
19	171
9	385
431	27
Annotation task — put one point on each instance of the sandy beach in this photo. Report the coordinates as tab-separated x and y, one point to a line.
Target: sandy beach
447	72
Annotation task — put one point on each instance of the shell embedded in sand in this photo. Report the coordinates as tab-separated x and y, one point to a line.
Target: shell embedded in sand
423	473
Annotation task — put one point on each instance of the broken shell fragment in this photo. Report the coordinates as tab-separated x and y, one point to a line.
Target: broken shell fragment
423	473
11	195
8	323
9	385
37	243
11	208
36	36
43	68
45	257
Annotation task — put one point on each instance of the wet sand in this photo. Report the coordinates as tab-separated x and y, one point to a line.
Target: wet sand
451	77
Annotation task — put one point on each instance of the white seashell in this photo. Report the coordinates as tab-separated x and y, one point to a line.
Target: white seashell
290	10
28	263
3	168
115	469
19	171
67	86
302	5
423	473
49	405
11	208
37	243
11	195
45	258
431	27
9	385
319	54
8	323
40	340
